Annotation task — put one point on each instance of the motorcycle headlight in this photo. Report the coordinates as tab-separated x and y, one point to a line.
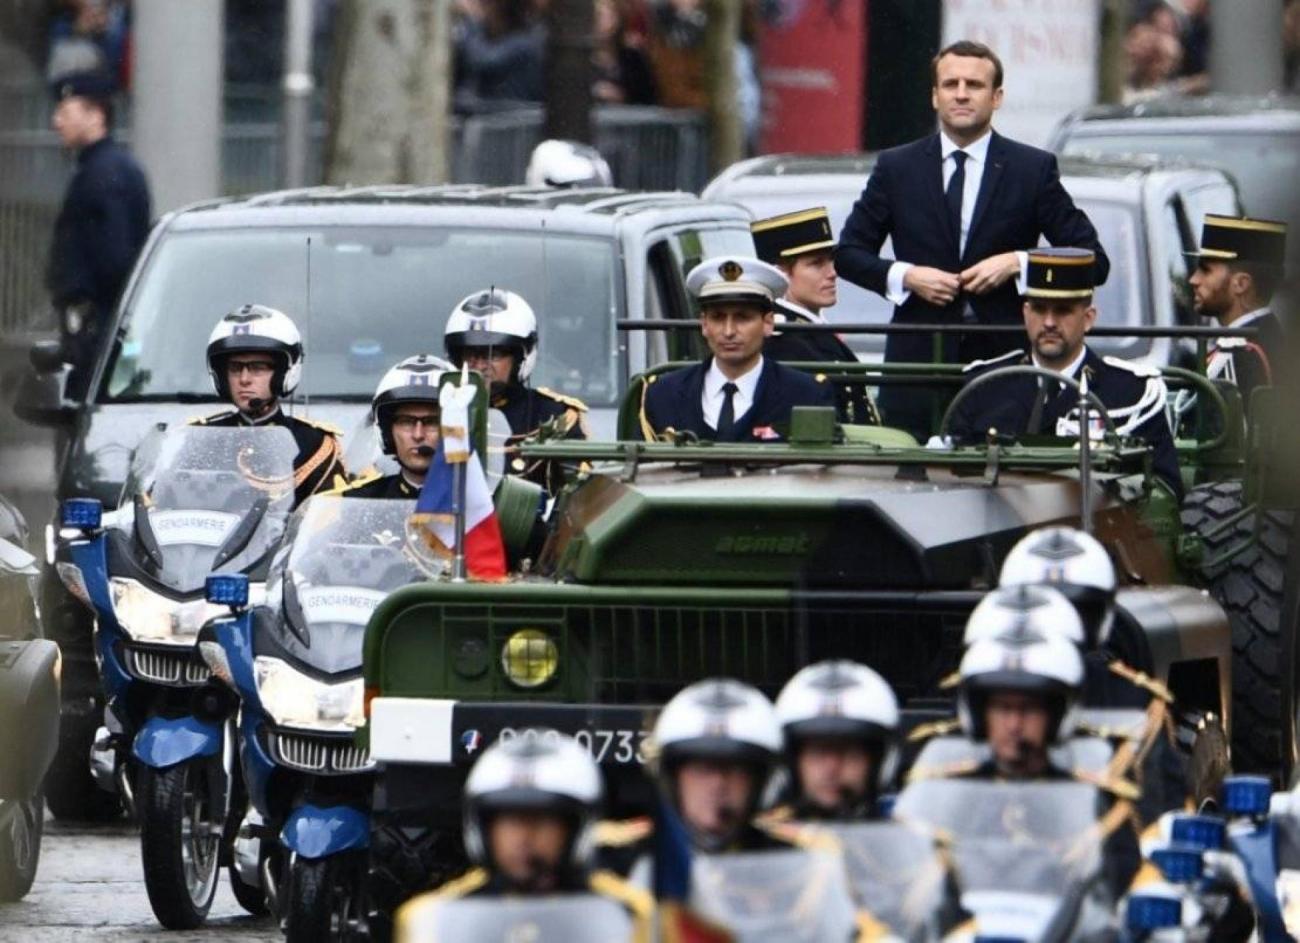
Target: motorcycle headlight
147	616
295	700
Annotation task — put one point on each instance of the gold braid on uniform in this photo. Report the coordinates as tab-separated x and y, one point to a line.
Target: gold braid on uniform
1153	686
638	901
647	430
328	450
271	486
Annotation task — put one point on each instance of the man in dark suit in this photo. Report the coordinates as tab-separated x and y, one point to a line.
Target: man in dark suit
737	394
960	205
800	244
1058	313
1238	269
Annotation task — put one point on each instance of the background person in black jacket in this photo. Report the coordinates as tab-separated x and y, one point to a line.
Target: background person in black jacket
102	225
960	205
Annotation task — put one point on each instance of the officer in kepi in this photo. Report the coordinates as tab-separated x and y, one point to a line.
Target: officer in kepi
102	224
802	246
840	721
1058	314
736	394
255	360
406	415
495	332
1238	271
530	805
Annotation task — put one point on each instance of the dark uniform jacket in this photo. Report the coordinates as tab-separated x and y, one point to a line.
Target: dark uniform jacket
319	458
100	229
375	485
1248	362
853	404
1008	406
526	410
674	400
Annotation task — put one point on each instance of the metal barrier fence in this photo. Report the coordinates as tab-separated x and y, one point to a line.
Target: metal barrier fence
647	149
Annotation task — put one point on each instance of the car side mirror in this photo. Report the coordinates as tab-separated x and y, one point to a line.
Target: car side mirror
42	393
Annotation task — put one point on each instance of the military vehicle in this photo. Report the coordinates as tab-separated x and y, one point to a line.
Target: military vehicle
381	259
673	561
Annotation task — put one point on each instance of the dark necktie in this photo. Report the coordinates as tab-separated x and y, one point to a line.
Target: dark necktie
727	415
1046	397
956	186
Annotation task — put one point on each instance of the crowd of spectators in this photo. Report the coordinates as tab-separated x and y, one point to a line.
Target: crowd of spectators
89	35
1167	45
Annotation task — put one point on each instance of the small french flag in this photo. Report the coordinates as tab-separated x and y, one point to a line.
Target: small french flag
485	553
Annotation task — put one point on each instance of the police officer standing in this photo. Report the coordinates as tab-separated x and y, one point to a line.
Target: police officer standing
1058	314
800	244
1238	270
406	414
255	360
101	226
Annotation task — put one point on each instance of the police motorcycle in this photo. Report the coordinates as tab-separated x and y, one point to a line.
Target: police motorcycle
29	710
295	663
197	500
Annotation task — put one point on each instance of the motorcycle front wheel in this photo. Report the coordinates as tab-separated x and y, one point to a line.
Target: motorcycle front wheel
323	898
180	843
20	846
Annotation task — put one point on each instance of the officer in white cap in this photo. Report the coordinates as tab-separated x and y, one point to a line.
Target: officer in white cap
736	394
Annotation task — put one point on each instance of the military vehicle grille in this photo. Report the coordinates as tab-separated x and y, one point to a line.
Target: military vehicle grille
312	754
179	668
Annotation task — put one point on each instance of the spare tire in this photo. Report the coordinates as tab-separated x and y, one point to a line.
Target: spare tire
1252	587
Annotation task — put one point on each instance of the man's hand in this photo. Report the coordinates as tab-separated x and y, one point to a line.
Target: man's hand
982	277
934	285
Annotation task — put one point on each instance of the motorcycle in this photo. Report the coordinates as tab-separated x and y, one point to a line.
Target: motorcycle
29	711
295	663
1026	855
197	500
572	918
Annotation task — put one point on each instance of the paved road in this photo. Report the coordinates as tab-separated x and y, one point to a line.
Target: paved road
90	887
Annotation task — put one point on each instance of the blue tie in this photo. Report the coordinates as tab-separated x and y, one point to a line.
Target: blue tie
727	415
956	186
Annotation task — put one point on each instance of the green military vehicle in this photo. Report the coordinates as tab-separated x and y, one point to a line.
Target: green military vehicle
668	562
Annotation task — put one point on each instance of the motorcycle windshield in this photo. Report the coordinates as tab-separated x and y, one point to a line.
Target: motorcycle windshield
575	918
894	873
200	500
1039	838
340	558
795	895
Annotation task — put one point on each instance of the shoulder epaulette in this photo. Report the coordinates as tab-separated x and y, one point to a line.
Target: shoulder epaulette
570	401
327	427
1137	369
1153	686
1121	788
950	681
204	420
608	884
777	815
342	486
467	883
1226	343
947	771
1000	359
870	928
619	833
935	728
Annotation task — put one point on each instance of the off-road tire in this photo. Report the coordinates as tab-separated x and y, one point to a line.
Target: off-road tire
70	791
1251	587
163	798
20	849
322	897
404	862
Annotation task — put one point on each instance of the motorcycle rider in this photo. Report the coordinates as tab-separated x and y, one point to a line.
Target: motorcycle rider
405	412
840	721
530	805
255	360
495	332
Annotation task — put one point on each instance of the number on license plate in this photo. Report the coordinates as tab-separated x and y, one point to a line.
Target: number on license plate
614	746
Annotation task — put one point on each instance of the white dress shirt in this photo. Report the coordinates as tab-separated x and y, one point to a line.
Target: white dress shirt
712	397
977	158
1071	371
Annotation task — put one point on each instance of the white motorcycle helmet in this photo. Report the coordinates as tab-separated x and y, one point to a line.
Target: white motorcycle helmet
256	329
1074	563
1026	661
557	163
494	318
842	700
414	380
1039	608
540	771
723	721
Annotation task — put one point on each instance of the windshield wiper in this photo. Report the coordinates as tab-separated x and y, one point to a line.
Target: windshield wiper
144	535
242	534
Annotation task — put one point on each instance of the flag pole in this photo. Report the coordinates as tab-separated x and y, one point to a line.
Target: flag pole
460	472
1085	456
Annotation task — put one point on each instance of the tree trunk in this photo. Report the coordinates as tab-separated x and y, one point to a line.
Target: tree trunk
390	93
569	70
726	131
1110	71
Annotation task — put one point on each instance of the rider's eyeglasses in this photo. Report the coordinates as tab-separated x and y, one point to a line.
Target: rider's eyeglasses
255	368
409	423
473	354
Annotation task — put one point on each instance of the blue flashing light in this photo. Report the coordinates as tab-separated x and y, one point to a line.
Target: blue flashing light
227	589
1247	795
81	513
1180	864
1147	912
1200	831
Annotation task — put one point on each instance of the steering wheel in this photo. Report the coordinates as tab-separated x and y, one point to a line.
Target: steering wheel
1025	370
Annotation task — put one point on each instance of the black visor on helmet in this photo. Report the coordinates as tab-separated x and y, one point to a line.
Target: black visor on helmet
836	728
1094	607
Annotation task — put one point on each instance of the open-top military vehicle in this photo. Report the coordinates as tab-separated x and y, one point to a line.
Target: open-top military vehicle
672	561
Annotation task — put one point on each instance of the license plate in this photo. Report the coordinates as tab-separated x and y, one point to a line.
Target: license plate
614	736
